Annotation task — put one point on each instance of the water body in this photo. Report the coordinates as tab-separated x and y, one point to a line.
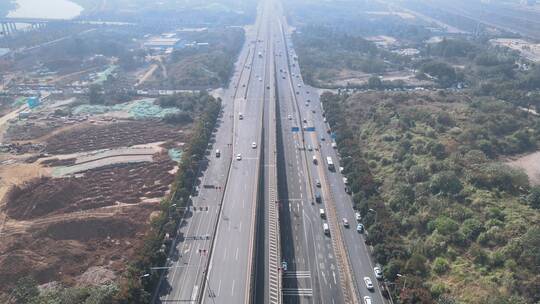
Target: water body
50	9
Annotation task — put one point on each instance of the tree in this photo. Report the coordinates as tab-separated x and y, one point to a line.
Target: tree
500	176
446	183
444	73
374	82
391	269
94	94
471	228
416	264
437	149
26	290
440	265
445	225
534	197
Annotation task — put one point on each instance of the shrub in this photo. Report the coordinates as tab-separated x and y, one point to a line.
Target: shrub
440	265
499	176
534	197
471	228
445	225
416	264
445	182
437	290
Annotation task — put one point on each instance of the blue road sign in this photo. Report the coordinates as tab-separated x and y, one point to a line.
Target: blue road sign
309	129
295	129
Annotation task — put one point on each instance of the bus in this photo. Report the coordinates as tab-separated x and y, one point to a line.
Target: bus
330	163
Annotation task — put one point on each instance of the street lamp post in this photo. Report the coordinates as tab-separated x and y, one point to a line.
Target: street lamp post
399	275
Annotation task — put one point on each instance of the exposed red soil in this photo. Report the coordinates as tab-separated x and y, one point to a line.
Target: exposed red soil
106	186
114	135
62	251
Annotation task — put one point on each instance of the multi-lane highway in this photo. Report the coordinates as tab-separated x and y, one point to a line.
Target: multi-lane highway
211	258
268	135
312	275
332	189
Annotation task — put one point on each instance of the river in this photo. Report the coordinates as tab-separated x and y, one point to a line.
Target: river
51	9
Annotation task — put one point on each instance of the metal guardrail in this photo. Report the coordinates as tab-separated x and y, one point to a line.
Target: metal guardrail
274	248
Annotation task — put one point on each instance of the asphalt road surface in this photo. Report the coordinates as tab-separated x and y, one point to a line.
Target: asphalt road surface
226	196
358	252
312	275
231	265
213	259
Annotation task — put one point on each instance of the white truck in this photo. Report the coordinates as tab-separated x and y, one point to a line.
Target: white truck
326	229
330	163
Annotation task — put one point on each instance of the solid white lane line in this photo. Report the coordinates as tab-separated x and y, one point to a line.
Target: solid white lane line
236	254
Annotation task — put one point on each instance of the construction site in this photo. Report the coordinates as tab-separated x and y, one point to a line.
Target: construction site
79	185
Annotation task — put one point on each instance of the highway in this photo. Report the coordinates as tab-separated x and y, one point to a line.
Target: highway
231	268
220	205
222	253
333	187
312	275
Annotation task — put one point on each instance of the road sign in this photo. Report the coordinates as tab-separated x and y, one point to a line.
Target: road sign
309	129
295	129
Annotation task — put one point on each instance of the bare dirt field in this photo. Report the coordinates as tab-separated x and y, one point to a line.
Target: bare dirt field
127	183
344	77
63	250
531	165
120	134
529	50
83	226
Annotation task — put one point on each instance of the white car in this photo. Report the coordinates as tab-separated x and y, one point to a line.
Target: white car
378	272
238	156
367	300
369	284
254	145
289	117
358	216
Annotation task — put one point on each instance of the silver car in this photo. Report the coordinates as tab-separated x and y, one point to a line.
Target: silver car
369	283
378	272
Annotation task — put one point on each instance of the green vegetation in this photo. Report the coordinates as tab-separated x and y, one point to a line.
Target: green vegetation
324	52
136	288
205	66
189	105
455	222
27	292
